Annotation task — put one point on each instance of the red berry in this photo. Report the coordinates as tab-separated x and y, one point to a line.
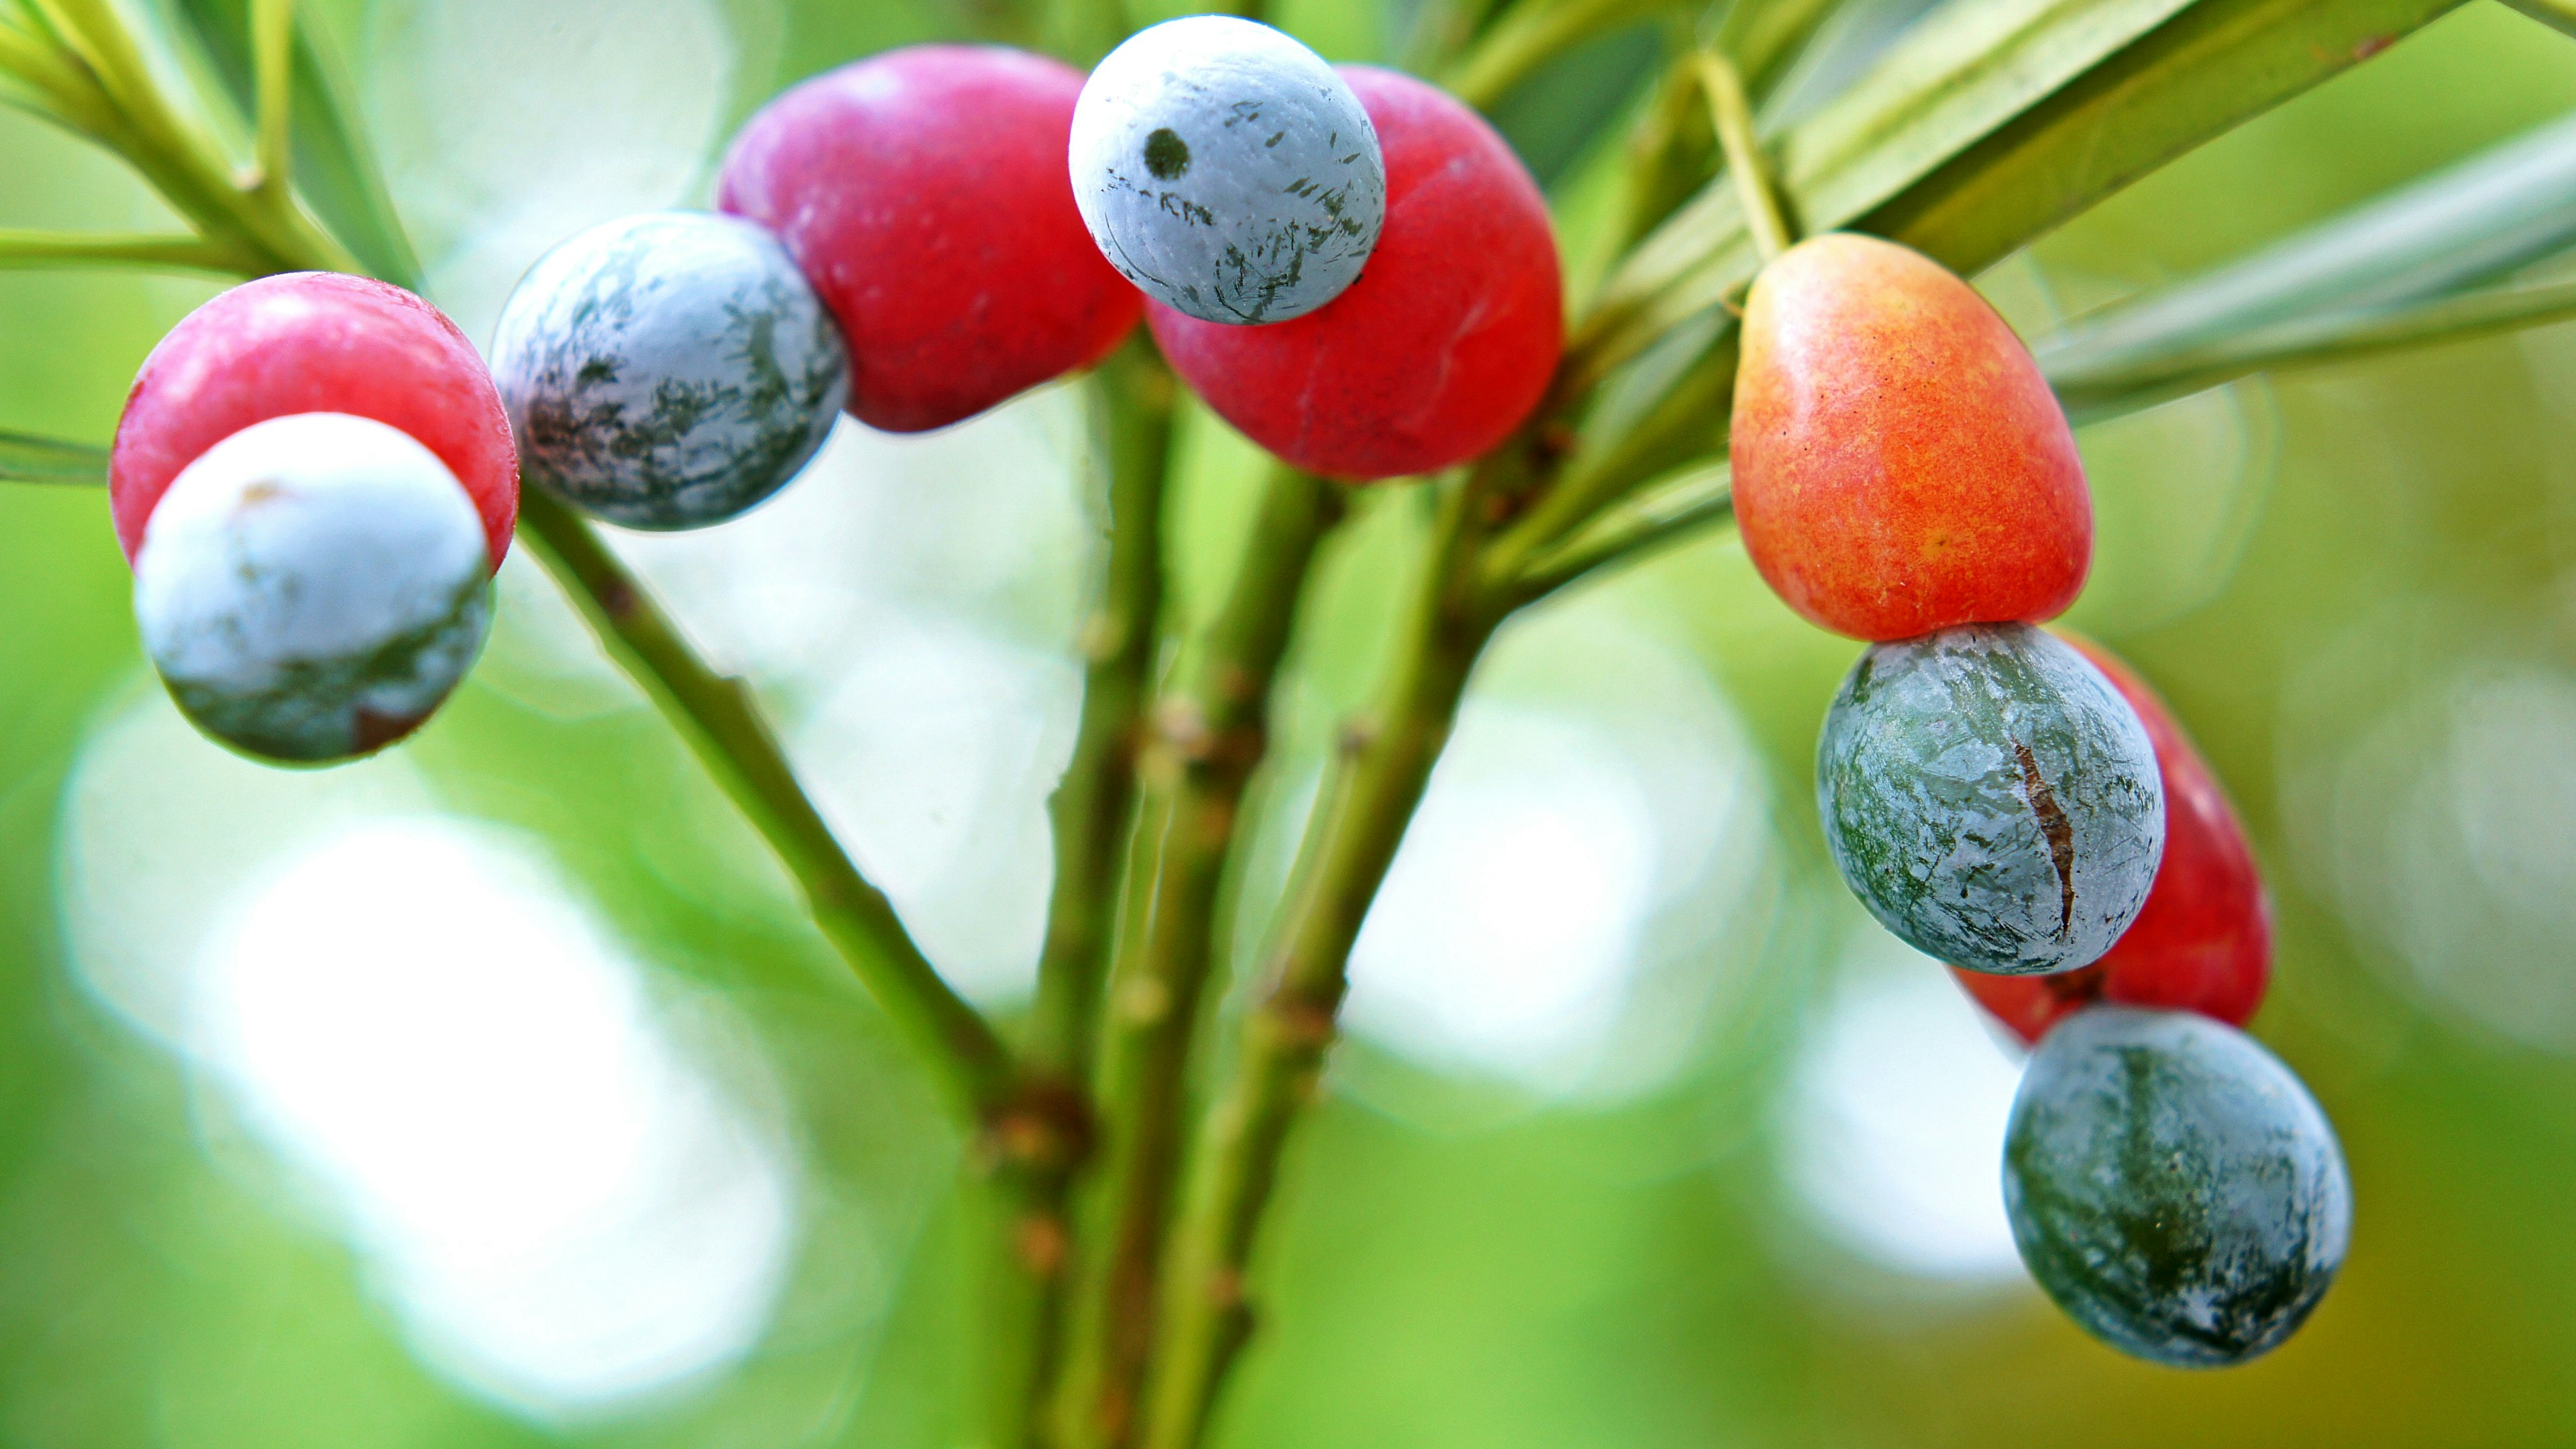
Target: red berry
925	193
1444	344
2202	942
313	342
1900	463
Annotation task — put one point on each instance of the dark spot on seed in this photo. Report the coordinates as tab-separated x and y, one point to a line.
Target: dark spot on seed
1166	154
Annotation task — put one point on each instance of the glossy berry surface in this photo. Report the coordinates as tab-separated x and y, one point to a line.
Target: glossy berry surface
1990	798
313	586
2203	941
2173	1186
313	342
1900	463
1444	344
1227	170
668	370
924	193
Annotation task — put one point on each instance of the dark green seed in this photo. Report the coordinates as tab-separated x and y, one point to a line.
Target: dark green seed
2173	1187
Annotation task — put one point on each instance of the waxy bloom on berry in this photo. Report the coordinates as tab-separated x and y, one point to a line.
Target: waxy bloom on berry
313	586
1227	170
1445	343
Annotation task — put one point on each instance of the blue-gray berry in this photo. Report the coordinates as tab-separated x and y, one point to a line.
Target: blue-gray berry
669	370
2173	1186
1991	799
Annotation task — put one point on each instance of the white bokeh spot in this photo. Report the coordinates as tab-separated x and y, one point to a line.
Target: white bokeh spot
1892	1126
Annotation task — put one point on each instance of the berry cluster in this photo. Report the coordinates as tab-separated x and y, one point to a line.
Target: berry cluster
316	475
2022	806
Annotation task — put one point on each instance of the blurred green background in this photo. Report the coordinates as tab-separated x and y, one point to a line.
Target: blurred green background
493	1093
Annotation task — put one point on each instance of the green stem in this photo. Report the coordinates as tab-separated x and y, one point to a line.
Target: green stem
1384	764
19	249
1207	740
1733	118
118	103
721	724
1091	806
272	45
1090	813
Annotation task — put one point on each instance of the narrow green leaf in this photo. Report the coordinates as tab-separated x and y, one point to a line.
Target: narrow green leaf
1997	119
2091	393
2211	68
2558	15
26	458
336	171
2473	222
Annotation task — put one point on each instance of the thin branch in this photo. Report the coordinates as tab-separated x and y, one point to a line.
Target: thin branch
1377	779
30	249
1208	738
1090	812
723	727
1754	187
272	45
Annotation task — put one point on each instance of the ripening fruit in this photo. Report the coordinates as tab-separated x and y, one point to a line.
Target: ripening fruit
2173	1187
1227	170
668	370
1900	463
313	586
1991	799
1443	345
924	193
2203	941
313	342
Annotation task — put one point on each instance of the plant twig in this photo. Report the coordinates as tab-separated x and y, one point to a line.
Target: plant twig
1090	813
1208	738
725	729
1754	188
21	249
1384	762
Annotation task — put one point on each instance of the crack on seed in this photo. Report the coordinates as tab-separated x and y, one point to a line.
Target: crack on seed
2060	833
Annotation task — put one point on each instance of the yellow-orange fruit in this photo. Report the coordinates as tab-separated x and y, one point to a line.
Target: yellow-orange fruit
1900	463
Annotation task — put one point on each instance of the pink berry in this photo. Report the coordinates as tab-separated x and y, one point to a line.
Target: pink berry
314	342
1444	344
924	192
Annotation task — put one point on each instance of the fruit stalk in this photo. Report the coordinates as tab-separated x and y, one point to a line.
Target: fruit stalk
1384	762
1732	117
1207	739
